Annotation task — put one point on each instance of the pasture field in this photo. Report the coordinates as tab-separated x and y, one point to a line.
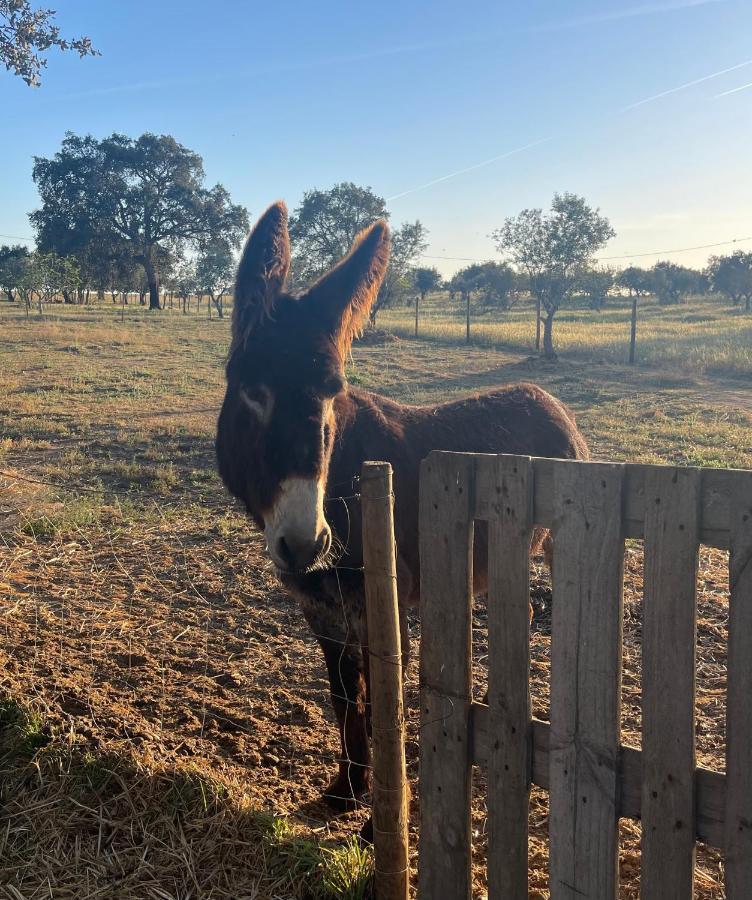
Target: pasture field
165	729
704	334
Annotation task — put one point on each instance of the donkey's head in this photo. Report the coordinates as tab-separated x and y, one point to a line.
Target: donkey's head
284	374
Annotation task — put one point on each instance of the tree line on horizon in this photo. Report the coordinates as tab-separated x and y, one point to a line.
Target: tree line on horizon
133	216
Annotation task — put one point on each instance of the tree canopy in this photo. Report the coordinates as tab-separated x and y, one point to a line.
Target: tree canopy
144	195
671	282
636	280
552	248
732	275
27	33
11	268
324	225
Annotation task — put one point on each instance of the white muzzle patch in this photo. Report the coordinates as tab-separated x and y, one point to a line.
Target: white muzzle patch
297	517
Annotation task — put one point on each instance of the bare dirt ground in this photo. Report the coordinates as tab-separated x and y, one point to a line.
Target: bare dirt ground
139	615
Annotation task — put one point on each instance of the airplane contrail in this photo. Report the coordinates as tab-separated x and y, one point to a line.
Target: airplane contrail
480	165
632	12
742	87
688	84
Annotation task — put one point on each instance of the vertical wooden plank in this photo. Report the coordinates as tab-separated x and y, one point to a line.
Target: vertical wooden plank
586	680
672	504
507	482
738	843
446	534
390	809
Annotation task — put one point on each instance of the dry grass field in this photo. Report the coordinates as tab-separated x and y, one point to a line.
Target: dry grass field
164	722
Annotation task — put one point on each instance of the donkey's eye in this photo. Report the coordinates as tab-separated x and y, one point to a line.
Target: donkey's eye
333	385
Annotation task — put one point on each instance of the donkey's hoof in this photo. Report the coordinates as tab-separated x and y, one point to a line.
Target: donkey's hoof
343	796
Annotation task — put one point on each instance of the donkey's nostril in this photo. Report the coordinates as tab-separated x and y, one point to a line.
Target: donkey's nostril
297	555
284	553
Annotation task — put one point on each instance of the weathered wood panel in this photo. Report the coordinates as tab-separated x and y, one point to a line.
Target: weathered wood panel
586	681
507	480
719	487
710	786
738	844
446	534
669	636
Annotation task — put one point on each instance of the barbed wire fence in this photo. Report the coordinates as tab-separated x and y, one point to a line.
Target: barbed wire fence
116	574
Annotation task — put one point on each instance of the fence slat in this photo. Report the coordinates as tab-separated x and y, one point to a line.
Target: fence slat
672	503
508	482
586	681
710	786
446	534
390	807
738	705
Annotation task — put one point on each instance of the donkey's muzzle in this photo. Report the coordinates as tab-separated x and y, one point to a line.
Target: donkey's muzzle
297	554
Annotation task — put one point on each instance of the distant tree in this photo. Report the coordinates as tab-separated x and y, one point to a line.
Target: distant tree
326	223
11	268
595	285
730	275
408	242
495	283
214	273
671	283
146	194
184	282
26	33
551	249
424	280
44	276
464	282
638	282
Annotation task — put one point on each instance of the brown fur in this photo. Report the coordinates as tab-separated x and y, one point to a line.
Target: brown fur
321	428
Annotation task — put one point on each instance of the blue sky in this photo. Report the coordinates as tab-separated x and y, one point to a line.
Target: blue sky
280	98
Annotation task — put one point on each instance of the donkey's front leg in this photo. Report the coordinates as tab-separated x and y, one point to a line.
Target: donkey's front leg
340	642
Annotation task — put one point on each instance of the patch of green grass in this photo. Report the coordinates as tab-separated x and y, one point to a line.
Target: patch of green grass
75	513
76	807
22	731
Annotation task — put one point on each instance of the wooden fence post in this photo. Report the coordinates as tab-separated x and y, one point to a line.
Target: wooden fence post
390	806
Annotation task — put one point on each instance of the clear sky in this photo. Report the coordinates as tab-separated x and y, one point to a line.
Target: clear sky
460	113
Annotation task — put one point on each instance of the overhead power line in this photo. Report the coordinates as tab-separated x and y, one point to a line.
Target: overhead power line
17	237
738	240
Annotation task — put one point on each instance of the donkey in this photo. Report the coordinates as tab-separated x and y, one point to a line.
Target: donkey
292	436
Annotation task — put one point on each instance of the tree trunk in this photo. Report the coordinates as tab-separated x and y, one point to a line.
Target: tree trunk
467	317
747	305
548	336
633	331
11	298
151	280
417	301
537	323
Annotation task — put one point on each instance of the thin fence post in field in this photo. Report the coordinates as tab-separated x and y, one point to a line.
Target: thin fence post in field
586	650
738	843
669	630
390	805
446	539
507	482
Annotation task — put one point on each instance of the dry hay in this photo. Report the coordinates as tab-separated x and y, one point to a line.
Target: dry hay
168	648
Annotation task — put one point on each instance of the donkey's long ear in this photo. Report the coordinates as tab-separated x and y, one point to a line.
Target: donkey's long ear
262	270
345	295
